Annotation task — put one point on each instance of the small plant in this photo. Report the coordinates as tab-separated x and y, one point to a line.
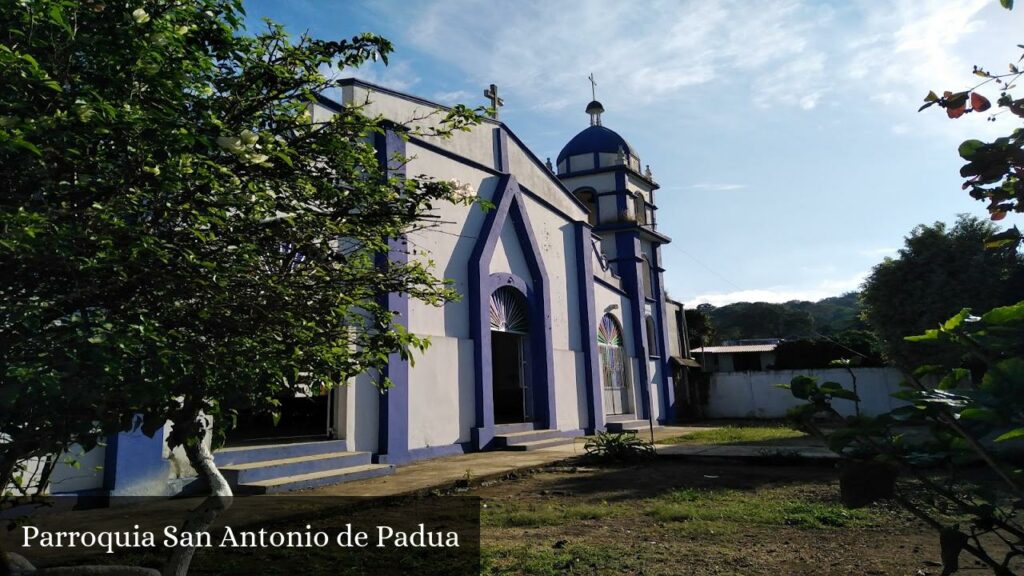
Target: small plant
618	447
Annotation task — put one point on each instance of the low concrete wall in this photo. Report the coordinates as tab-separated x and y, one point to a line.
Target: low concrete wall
754	395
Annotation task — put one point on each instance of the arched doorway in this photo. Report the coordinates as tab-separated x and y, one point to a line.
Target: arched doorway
510	325
614	373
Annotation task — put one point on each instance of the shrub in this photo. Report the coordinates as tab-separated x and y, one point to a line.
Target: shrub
618	447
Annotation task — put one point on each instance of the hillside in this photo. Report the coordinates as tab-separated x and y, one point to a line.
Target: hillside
789	320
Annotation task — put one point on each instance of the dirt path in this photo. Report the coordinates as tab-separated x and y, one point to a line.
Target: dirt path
632	521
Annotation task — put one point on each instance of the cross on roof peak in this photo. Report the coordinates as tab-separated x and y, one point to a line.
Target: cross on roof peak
593	86
496	101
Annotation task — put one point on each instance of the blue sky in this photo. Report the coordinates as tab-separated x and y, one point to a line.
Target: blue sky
785	134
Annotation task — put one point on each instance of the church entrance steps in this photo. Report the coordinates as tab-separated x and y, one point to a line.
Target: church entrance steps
532	440
316	479
500	429
538	444
294	466
624	425
263	452
257	471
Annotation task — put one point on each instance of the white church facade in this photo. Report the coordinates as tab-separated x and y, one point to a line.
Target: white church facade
560	332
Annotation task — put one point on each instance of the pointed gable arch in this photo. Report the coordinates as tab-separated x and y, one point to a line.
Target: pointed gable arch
509	208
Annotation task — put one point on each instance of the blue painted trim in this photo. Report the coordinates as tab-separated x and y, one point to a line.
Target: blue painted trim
439	451
509	203
502	279
554	179
542	201
645	230
668	393
526	150
620	189
378	88
613	168
453	156
393	405
630	269
110	462
501	150
588	328
490	170
610	286
139	467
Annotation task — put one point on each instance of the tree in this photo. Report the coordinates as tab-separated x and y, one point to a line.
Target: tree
700	330
939	270
960	415
180	239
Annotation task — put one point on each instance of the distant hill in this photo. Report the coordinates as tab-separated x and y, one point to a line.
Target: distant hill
790	320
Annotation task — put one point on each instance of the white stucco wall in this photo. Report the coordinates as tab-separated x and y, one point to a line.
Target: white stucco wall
75	470
754	395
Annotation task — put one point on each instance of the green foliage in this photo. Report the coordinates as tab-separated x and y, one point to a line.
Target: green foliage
964	416
618	447
791	320
700	329
939	271
861	345
737	435
179	235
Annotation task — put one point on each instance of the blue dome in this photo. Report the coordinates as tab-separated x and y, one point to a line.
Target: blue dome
595	139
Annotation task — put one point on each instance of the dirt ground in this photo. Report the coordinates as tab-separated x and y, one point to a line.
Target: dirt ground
633	521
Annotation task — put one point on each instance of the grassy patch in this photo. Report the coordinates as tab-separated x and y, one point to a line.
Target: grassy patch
538	514
772	507
545	561
736	435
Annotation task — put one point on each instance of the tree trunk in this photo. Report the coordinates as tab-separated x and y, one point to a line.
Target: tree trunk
202	517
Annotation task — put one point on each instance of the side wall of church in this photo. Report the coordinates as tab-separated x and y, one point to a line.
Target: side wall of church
441	380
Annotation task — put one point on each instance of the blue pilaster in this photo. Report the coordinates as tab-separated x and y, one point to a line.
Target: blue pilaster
631	271
668	392
134	464
588	327
393	406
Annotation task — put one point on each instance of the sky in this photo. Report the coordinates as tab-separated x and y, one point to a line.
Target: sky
784	134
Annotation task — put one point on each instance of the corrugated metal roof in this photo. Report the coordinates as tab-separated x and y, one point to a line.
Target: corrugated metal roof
732	349
686	362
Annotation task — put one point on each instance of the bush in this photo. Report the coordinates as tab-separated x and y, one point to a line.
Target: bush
618	447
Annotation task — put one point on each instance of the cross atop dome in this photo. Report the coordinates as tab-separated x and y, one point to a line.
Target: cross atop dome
594	108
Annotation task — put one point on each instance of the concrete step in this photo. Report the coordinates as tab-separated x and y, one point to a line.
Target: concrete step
249	472
511	439
628	425
314	479
539	444
513	428
260	453
620	418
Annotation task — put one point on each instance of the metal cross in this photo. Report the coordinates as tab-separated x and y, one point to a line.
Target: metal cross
593	86
496	102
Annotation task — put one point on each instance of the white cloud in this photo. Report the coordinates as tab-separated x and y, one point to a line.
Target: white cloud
718	186
398	75
681	57
453	97
877	252
541	53
778	294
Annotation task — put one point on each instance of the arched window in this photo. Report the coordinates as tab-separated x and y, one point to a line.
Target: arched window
508	311
613	366
640	208
589	199
647	279
652	338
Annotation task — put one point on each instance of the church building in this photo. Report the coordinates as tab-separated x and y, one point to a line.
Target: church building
560	332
